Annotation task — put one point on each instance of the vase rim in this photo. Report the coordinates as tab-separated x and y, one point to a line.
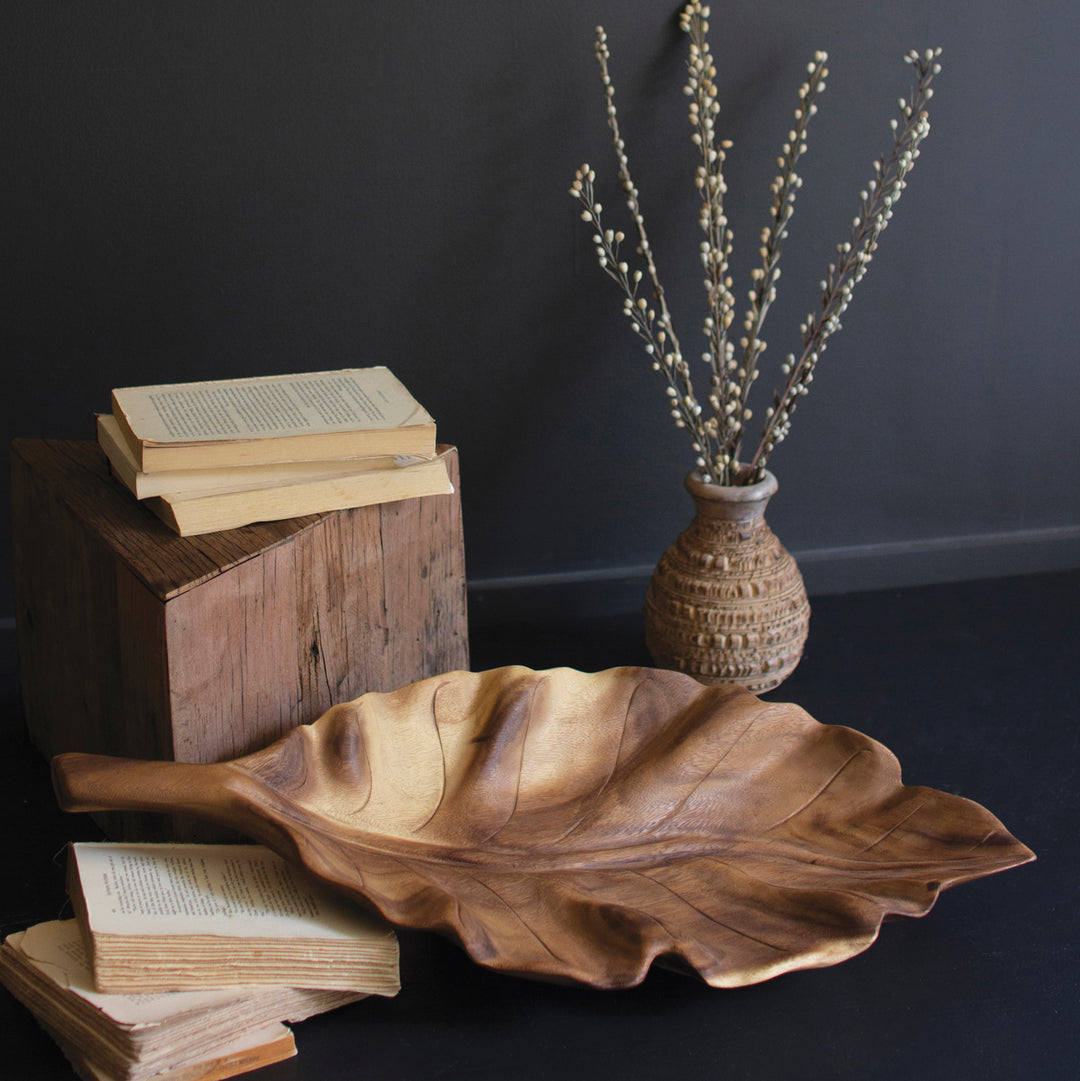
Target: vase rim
732	493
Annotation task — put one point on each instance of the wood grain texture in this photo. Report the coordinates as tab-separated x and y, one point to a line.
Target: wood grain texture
576	826
134	641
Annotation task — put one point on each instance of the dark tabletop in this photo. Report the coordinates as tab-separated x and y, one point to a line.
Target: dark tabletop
974	686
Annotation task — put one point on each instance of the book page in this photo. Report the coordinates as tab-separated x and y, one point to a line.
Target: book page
353	399
227	890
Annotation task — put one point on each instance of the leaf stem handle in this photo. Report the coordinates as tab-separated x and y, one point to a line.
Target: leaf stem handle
93	782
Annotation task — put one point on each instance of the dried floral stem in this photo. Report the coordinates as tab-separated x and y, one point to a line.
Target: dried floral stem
652	326
876	204
717	439
644	247
765	276
716	247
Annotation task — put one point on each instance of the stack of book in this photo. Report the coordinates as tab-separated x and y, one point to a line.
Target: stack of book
186	962
222	454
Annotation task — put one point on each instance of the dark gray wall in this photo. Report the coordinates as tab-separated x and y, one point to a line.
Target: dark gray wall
203	190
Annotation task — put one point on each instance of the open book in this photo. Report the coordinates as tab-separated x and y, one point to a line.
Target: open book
183	916
353	412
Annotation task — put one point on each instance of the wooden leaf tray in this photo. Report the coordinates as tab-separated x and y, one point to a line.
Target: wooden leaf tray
575	826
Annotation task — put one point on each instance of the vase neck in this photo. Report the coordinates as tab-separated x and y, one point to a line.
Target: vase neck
731	503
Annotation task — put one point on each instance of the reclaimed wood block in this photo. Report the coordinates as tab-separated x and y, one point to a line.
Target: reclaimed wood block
135	641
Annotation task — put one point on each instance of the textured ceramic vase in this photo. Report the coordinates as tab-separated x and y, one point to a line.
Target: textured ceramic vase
727	603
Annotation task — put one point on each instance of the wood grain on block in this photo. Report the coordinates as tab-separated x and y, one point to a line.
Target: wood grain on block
134	641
